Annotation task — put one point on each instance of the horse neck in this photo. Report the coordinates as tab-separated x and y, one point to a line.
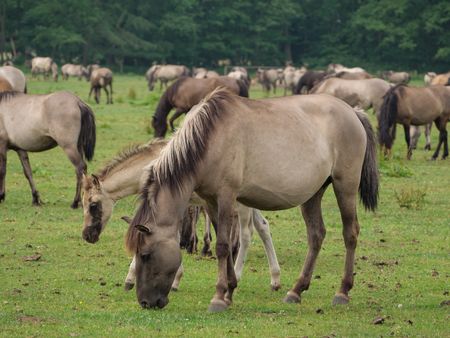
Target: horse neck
125	181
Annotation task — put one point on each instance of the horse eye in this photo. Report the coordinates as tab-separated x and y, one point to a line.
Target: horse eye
93	207
146	257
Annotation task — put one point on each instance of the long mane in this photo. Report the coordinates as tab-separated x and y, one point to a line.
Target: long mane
7	95
180	159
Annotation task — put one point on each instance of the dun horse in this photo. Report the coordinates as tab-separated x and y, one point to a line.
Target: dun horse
187	92
165	74
15	77
122	178
308	81
74	70
40	122
101	78
5	86
243	142
415	106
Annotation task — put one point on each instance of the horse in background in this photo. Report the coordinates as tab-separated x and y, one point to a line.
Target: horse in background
396	77
78	71
337	68
45	66
186	92
351	75
268	78
309	79
101	78
415	106
40	122
291	76
203	73
428	77
15	77
165	74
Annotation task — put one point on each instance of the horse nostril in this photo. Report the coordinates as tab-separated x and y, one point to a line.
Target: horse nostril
144	304
161	303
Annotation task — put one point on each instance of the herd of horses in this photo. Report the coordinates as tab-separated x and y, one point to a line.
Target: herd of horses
239	140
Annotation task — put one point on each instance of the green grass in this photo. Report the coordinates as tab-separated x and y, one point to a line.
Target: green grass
402	268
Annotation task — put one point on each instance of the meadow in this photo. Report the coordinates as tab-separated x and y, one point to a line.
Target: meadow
76	288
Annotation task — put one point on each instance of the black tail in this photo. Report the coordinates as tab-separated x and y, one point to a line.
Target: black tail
243	88
87	137
369	183
388	116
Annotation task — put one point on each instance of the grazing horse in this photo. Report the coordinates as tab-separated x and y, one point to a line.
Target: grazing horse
415	106
5	86
122	177
40	122
44	65
268	79
186	92
165	74
101	78
396	77
74	70
252	149
337	68
203	73
308	81
363	93
15	77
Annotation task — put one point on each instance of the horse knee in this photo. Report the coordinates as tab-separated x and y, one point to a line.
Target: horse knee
222	250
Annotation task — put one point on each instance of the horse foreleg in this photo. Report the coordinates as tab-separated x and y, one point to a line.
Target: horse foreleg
176	115
3	151
442	138
414	135
131	276
312	214
406	128
97	92
262	227
90	93
80	168
111	93
23	155
176	281
206	251
107	94
223	216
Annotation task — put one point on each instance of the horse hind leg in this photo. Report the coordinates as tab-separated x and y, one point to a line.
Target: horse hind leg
441	125
406	127
428	136
315	228
80	168
207	238
23	156
131	276
3	151
346	199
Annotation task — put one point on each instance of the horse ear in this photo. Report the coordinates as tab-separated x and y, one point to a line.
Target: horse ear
143	229
126	219
96	181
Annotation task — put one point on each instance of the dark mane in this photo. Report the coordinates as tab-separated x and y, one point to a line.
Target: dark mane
126	154
179	160
164	107
5	96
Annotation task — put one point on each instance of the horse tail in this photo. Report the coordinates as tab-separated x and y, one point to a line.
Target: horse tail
87	137
243	88
388	116
369	183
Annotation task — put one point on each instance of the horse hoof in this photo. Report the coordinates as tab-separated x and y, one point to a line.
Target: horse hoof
341	299
291	298
174	288
275	286
2	198
74	205
217	305
128	286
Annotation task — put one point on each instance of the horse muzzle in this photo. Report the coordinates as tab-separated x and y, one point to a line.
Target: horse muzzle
91	234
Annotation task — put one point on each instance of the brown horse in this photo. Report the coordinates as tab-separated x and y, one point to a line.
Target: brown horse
186	92
101	78
308	81
243	142
415	106
40	122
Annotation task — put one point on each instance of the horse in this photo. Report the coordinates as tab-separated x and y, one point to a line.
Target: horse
428	77
268	78
366	94
440	79
101	78
414	134
122	177
40	122
44	65
337	68
414	106
291	76
15	77
5	86
252	147
352	75
308	81
74	70
396	77
186	92
165	74
203	73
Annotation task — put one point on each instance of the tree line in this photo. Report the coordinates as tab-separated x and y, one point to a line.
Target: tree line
375	34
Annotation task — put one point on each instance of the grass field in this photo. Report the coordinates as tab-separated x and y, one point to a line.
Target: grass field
76	289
